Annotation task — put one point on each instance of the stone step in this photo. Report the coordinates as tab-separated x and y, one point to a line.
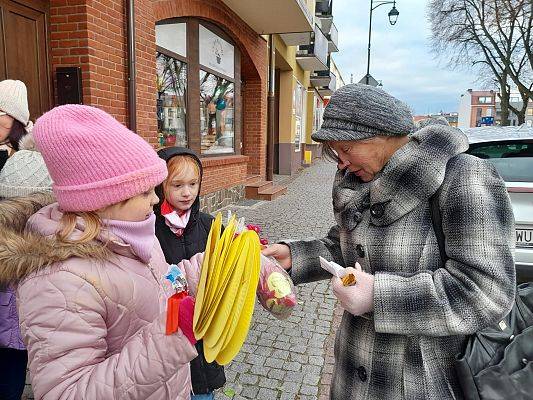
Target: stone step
272	192
252	179
252	189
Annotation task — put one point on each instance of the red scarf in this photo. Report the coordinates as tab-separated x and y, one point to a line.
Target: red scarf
176	225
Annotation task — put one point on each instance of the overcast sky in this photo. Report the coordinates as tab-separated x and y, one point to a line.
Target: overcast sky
400	55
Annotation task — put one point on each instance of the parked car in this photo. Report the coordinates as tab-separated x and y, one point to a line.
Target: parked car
510	150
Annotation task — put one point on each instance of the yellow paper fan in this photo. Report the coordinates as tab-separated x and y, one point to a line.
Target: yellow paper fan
238	329
214	235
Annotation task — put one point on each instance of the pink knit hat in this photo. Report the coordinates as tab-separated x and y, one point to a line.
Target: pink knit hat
93	160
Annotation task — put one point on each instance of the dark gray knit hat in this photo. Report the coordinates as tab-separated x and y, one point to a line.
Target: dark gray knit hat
358	111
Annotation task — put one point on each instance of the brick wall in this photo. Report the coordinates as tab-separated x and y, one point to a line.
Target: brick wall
223	172
93	35
146	72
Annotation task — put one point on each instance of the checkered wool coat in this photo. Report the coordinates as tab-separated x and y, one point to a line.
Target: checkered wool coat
423	309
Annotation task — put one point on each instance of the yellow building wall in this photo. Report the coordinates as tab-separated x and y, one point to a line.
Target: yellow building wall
286	117
288	79
310	114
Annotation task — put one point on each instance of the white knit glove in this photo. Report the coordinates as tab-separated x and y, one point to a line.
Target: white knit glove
359	298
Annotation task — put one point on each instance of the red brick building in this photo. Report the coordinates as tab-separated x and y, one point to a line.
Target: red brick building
199	71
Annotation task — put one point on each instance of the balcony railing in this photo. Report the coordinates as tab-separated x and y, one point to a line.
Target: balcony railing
323	8
333	39
314	56
328	89
320	79
324	13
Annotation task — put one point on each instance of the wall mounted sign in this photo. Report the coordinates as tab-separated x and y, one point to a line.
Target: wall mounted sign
216	53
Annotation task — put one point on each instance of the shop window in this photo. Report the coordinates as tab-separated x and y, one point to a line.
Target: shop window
217	129
195	52
318	111
171	100
299	99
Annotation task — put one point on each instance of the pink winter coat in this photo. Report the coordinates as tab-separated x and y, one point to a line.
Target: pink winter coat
94	324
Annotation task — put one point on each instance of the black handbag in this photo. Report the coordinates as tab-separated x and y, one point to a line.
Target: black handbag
497	362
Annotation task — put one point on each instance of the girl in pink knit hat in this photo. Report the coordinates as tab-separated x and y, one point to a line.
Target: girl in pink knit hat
92	292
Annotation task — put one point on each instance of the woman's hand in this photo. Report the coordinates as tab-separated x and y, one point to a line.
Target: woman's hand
282	254
359	298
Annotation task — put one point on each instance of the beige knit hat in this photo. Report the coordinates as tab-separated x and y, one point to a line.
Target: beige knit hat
14	100
24	172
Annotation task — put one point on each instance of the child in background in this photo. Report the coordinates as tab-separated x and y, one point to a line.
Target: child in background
91	289
24	183
182	231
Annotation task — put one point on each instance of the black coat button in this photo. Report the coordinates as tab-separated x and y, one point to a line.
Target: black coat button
377	210
360	251
361	372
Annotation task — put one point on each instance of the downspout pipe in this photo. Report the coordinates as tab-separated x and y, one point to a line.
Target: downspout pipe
271	105
132	100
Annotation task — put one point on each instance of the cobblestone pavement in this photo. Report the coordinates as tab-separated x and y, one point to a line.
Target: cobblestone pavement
291	359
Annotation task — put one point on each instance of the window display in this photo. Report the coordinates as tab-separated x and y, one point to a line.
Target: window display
217	127
171	100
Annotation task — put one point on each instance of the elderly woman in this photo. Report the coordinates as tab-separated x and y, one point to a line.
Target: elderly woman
409	313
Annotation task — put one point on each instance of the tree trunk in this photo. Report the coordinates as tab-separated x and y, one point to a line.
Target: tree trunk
504	100
504	112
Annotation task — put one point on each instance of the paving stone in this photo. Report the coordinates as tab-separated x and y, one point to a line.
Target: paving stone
261	371
249	392
274	362
255	359
238	367
309	390
292	376
314	360
311	369
269	383
300	358
276	373
312	379
248	379
292	366
267	394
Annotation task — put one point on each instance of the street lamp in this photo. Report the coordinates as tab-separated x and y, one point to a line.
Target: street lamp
393	15
393	18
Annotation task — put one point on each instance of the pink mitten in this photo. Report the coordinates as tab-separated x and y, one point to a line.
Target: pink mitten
186	314
359	298
192	269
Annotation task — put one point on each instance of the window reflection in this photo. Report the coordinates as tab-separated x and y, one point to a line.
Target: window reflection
217	126
171	100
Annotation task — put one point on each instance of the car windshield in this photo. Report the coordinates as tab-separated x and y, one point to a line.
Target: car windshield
512	159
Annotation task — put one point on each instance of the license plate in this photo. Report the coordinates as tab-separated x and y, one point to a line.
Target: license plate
524	238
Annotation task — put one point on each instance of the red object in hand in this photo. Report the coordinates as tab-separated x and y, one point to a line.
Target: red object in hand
186	318
173	311
180	312
264	242
255	228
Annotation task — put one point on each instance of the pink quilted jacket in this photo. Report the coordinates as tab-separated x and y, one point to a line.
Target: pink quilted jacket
94	326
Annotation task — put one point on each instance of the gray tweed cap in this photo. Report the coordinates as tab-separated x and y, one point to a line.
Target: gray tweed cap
358	111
